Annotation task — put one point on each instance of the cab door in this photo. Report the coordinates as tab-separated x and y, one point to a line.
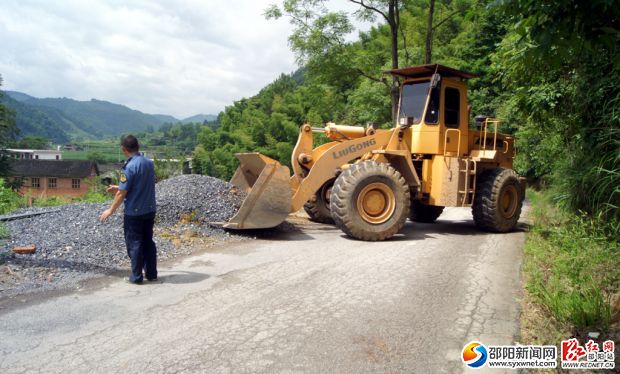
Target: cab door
454	118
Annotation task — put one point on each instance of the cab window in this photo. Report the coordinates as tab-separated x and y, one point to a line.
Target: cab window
432	112
413	100
452	107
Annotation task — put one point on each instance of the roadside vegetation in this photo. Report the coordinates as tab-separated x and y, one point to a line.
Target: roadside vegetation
9	200
572	271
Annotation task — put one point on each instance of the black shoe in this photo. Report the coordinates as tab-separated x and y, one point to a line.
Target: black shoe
151	279
127	280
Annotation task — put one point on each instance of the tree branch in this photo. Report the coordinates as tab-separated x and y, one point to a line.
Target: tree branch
305	23
447	18
361	2
330	41
374	79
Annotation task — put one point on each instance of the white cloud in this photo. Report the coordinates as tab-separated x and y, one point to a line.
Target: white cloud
172	57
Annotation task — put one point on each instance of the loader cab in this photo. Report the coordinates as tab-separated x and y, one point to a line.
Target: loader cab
433	108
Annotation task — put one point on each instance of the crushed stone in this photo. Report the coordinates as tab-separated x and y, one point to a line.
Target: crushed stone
73	245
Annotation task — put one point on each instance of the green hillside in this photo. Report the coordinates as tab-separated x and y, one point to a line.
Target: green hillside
200	118
62	119
33	121
99	117
165	118
19	96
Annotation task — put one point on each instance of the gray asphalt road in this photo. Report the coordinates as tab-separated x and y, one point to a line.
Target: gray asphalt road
313	301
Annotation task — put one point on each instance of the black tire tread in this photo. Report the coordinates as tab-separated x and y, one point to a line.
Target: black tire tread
345	184
317	213
485	207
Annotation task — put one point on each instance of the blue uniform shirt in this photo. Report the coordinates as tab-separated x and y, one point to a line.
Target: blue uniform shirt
138	179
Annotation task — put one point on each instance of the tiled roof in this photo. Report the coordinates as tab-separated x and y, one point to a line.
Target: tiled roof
53	168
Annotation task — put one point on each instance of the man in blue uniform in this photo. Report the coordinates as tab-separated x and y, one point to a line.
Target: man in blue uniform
137	191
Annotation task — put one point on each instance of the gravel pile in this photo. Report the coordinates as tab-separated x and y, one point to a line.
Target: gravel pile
73	235
71	241
196	198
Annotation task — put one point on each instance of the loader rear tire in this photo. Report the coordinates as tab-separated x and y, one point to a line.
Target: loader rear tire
499	199
318	207
425	213
370	201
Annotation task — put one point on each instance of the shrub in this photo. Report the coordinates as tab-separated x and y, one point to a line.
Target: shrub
9	199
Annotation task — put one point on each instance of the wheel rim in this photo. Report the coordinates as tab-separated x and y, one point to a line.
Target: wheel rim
376	203
508	201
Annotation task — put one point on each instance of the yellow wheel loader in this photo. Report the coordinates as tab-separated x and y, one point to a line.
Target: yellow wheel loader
368	181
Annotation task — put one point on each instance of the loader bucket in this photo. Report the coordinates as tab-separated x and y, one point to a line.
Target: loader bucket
267	184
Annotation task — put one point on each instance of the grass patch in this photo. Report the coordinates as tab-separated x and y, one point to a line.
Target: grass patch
571	266
9	200
90	197
51	201
94	196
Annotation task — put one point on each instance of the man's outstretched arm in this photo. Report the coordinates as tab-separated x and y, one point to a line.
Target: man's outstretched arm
118	200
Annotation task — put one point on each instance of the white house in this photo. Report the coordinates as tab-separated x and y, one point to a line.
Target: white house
34	154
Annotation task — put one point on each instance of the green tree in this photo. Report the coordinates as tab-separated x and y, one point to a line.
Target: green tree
33	142
8	132
561	62
319	39
96	156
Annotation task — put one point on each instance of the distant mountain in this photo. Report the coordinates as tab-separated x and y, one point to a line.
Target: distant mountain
64	119
102	117
19	96
200	118
32	121
164	118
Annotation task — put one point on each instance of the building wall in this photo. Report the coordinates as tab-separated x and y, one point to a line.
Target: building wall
35	155
47	155
63	188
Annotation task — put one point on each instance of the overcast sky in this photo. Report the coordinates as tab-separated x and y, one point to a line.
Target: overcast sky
162	57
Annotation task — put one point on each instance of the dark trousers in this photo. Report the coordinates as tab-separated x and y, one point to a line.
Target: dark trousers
140	246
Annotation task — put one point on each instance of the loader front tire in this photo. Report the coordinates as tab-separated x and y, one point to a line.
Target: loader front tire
370	201
318	207
424	213
498	201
